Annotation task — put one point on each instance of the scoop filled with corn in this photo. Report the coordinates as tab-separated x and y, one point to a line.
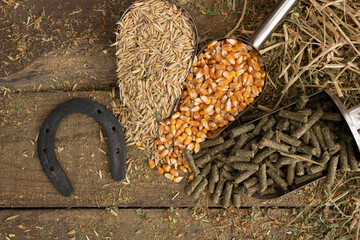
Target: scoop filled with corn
225	78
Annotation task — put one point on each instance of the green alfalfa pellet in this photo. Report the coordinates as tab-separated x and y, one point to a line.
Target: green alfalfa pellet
299	168
219	163
336	149
221	147
253	189
250	182
258	128
288	160
200	188
193	184
214	178
274	145
218	190
227	194
319	135
306	111
290	174
307	149
236	199
329	141
212	143
274	157
307	178
242	166
354	165
269	191
324	159
227	175
264	153
332	171
269	134
243	139
262	177
244	153
191	162
278	171
242	176
283	125
269	124
206	170
277	179
300	117
330	116
303	100
289	139
313	119
228	168
295	123
201	161
234	158
344	161
315	142
306	137
241	130
200	153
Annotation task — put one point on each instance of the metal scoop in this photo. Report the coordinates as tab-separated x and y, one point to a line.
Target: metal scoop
351	118
275	17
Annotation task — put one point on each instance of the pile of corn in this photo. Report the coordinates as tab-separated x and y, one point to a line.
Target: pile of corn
225	78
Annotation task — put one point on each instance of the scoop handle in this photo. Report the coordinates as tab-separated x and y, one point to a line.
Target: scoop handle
275	17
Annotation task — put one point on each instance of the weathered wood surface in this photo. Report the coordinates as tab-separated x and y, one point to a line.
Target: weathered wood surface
143	224
24	184
82	67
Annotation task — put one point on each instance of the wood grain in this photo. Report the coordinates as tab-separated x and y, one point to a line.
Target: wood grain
84	67
143	223
24	184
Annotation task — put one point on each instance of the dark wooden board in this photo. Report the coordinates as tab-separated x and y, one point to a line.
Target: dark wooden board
80	67
24	184
144	223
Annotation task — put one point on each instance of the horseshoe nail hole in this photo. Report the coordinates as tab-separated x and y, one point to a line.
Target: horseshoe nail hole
113	128
44	150
47	130
99	111
52	169
117	150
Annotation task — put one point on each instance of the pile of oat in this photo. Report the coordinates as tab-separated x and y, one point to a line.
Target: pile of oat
155	48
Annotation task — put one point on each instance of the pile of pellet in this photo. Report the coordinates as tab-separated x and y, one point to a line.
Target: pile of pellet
274	155
224	80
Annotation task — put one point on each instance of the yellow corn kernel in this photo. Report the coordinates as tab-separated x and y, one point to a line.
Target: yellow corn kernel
187	140
194	123
164	152
197	147
175	115
204	122
201	134
169	176
188	131
178	179
160	147
174	172
159	170
183	169
190	147
184	108
166	167
242	106
151	163
191	176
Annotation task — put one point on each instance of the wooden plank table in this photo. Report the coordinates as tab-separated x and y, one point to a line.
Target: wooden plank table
142	206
